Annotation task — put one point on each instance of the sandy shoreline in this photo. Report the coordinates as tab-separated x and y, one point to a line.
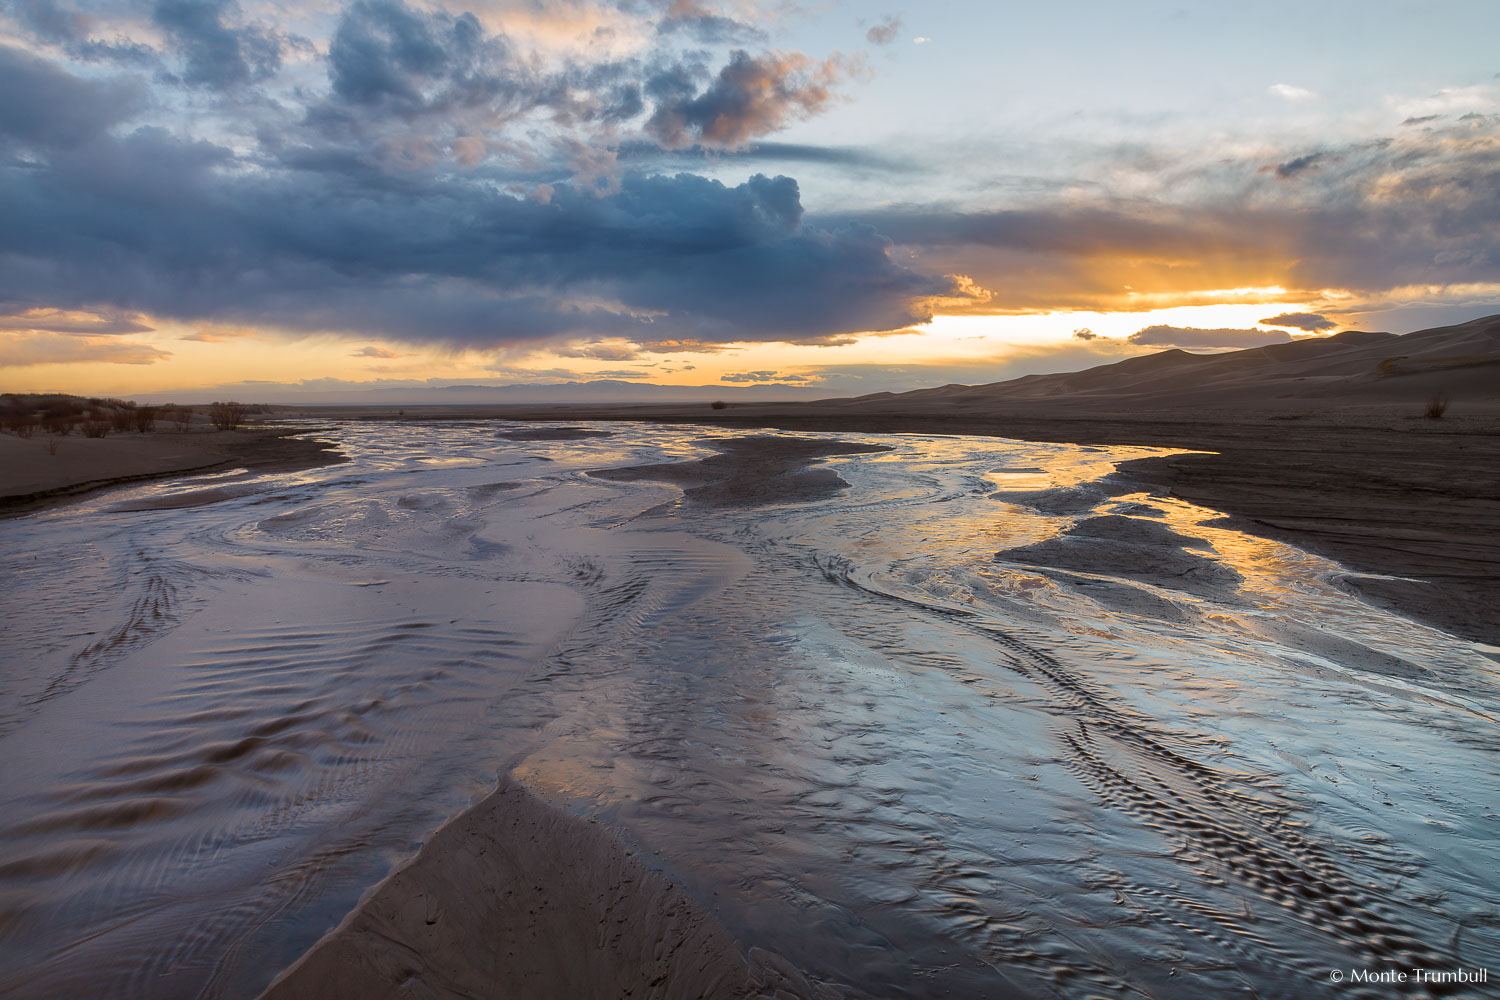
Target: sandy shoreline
33	479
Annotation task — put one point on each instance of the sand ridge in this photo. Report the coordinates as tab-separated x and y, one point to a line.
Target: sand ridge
33	479
520	898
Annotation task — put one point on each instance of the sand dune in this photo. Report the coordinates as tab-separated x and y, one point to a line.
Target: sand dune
1462	362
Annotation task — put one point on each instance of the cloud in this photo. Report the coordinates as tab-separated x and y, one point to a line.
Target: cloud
764	376
1416	209
1287	92
82	322
216	54
1293	167
885	32
751	97
47	108
220	334
24	349
1085	334
694	19
1311	322
1179	336
920	40
620	373
182	229
619	350
384	51
374	352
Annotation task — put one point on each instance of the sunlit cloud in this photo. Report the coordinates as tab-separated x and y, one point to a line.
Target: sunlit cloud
32	349
1289	92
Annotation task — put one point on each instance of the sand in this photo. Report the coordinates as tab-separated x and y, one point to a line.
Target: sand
31	478
519	898
751	471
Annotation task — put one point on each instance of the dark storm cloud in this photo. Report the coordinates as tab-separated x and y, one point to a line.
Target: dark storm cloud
62	25
385	51
215	53
47	107
51	21
178	228
750	97
1311	322
1180	336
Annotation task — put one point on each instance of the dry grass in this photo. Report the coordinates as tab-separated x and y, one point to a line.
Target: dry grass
1436	407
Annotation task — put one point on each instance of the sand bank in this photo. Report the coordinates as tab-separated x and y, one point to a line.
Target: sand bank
519	898
751	471
31	478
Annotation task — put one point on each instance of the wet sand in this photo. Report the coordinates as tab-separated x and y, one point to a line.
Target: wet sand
33	480
518	898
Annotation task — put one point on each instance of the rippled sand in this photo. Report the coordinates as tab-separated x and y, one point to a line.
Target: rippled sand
961	717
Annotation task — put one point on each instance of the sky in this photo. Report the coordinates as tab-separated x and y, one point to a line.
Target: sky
275	200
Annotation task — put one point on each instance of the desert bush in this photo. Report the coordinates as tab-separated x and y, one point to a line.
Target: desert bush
60	424
1436	407
52	447
96	427
718	404
145	418
226	416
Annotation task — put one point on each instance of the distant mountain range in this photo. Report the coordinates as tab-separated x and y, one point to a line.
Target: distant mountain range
595	392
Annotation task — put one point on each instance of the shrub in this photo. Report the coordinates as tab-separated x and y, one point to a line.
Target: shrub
227	416
718	404
95	427
145	418
52	447
123	417
182	416
1436	407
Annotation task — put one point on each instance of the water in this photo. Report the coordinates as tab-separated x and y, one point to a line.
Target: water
1139	753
